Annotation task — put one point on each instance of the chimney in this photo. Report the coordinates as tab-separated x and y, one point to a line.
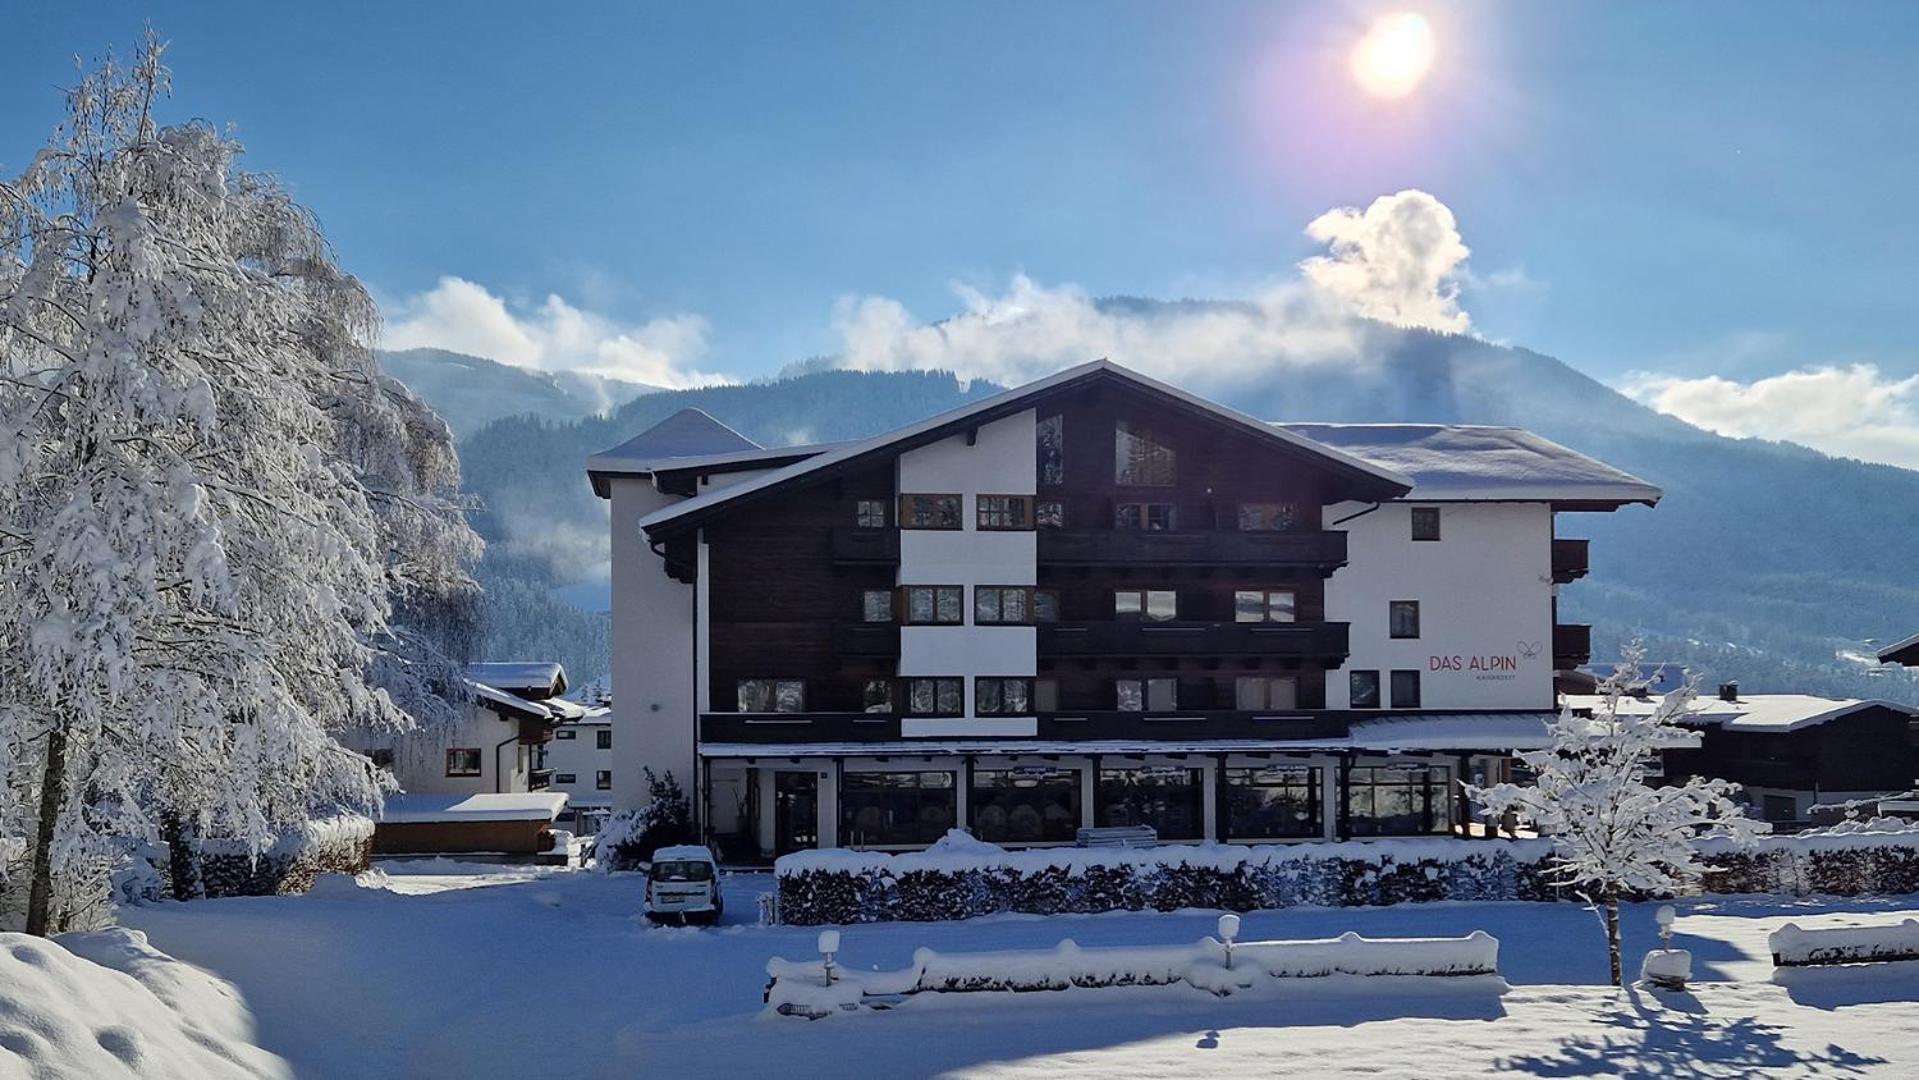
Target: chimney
1729	691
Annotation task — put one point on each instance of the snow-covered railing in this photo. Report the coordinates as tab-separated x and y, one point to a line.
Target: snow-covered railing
805	988
1795	946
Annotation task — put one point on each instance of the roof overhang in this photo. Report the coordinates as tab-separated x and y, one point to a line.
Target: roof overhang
1904	652
603	469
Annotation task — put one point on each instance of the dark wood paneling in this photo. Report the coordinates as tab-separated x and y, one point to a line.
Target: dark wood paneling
1321	641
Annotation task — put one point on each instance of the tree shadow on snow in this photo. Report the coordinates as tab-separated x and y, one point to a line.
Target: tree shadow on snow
1676	1036
1845	985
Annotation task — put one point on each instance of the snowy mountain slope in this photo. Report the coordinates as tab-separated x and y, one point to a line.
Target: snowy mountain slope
470	392
1765	563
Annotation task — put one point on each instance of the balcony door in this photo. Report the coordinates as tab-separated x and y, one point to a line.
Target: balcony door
796	812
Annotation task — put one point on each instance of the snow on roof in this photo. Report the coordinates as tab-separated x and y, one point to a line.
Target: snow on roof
1902	652
1776	713
1459	462
515	806
848	451
511	701
544	675
683	851
688	433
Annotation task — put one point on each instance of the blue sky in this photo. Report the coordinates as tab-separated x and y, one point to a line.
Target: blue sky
1681	190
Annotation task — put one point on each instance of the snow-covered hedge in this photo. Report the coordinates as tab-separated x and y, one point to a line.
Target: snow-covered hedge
961	878
801	988
335	845
1792	946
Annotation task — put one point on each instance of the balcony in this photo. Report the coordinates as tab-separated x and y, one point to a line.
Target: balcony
866	547
1569	560
810	727
799	729
1305	640
539	779
867	639
1325	551
1572	645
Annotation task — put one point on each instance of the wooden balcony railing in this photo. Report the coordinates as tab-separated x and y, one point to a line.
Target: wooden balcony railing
1569	560
1306	640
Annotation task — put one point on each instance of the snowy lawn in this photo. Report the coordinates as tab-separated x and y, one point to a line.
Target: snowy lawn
471	970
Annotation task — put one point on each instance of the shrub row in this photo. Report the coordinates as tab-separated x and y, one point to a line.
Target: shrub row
342	845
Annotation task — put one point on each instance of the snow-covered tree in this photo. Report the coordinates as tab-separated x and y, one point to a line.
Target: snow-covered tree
1613	833
211	502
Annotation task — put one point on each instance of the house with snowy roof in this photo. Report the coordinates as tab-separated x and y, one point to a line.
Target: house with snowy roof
1094	600
479	784
1902	652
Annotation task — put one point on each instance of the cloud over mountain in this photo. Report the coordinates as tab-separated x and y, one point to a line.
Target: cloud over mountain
1853	411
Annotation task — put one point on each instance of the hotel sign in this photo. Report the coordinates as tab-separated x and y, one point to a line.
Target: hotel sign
1486	667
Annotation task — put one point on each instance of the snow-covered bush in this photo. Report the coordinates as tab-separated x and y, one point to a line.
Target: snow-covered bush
1792	946
630	837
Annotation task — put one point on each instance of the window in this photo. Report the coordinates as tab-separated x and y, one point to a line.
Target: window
1264	605
1147	695
897	808
1277	802
565	778
1398	800
1050	514
603	740
772	695
1029	805
1153	605
997	696
1045	695
1267	516
1169	798
565	734
463	761
1002	604
1004	512
1150	517
603	779
1405	687
382	759
876	605
930	512
1364	689
1425	522
871	513
1045	606
935	605
1266	692
1049	447
936	697
1402	618
1140	459
877	696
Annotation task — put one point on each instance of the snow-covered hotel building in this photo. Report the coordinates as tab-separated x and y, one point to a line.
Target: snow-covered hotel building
1092	600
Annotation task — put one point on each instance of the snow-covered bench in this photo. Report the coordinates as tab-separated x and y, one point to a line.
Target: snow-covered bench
1794	946
804	989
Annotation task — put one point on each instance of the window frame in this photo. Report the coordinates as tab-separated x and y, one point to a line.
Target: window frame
1027	591
739	687
1019	505
1393	608
1050	470
563	733
1145	514
1145	596
957	680
908	503
566	778
1266	692
1146	684
1056	519
1378	692
1313	800
906	605
479	761
860	508
1286	509
872	708
1393	681
1001	709
603	739
1125	429
1431	516
1266	605
892	606
603	779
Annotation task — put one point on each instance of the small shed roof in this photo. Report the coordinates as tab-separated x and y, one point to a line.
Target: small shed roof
518	806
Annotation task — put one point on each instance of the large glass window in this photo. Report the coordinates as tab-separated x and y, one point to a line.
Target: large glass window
1169	798
1002	604
936	697
1276	802
1399	800
1050	449
1265	605
930	512
772	695
1402	618
876	605
1258	692
1024	805
1155	605
1363	689
1146	517
935	605
897	808
1146	695
1267	516
995	695
1140	459
1004	512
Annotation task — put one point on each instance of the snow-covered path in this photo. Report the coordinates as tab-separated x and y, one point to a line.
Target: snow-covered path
476	972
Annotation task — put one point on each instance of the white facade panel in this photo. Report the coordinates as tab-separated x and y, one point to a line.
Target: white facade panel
654	703
1485	597
968	650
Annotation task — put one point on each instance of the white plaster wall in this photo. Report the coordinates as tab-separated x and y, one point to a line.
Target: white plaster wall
419	759
654	719
580	757
1485	598
1000	462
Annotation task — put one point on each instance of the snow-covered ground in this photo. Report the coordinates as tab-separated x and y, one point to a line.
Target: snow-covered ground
462	969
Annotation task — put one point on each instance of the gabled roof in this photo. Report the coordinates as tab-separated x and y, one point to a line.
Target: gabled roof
1902	652
1473	463
1382	482
1770	713
543	678
686	435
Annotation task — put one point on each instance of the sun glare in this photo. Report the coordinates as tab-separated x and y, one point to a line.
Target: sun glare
1394	55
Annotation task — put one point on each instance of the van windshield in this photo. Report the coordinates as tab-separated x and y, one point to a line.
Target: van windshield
682	871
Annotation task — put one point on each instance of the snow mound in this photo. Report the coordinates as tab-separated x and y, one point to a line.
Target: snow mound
348	886
961	842
110	1005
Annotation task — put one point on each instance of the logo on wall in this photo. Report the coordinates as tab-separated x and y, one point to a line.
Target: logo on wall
1528	650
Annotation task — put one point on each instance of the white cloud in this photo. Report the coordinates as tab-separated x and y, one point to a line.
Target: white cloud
1399	261
555	336
1855	411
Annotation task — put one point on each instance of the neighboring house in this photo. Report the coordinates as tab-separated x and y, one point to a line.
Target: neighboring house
1092	600
1792	752
580	760
1905	652
461	778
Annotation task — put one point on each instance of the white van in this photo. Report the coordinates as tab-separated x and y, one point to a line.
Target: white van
684	883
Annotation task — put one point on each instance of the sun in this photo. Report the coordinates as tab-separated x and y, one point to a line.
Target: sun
1394	55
